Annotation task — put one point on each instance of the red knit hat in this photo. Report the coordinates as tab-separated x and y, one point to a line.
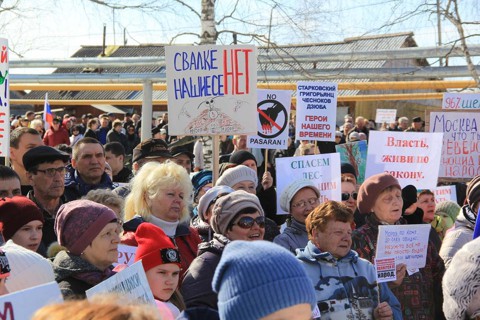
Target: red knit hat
154	247
371	189
16	212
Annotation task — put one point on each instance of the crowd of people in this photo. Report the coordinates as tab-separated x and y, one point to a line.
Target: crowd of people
217	249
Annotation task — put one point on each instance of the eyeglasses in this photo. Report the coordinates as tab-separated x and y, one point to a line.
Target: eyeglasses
50	172
248	222
302	204
346	196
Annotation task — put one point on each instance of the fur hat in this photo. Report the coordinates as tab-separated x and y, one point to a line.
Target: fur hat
154	247
238	174
79	222
227	208
461	283
248	286
240	156
210	196
28	268
371	189
291	190
16	212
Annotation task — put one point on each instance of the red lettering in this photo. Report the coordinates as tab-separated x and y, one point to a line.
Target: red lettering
7	313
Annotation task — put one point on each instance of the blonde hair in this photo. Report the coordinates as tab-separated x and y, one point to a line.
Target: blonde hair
153	178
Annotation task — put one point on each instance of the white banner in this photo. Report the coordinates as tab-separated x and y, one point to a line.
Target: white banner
316	111
4	100
322	169
211	89
385	116
411	157
445	193
273	110
126	255
464	101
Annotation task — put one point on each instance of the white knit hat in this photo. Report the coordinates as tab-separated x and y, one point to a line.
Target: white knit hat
237	174
28	268
292	189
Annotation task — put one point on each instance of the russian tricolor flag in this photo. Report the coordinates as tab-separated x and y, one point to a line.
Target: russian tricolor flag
47	113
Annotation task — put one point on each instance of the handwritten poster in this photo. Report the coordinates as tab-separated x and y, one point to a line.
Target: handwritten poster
354	153
211	89
322	169
461	143
412	158
406	243
316	111
273	110
385	115
445	193
465	101
4	100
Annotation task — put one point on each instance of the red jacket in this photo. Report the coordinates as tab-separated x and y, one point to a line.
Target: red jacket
54	138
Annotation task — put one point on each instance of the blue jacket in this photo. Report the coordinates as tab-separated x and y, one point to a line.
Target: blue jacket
346	288
75	187
294	236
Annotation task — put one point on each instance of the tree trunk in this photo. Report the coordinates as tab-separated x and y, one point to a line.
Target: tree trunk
209	30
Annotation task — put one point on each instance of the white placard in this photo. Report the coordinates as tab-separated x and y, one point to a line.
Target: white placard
131	282
386	269
463	101
23	304
385	116
322	169
316	111
445	193
211	89
408	244
4	100
273	114
411	157
461	144
126	255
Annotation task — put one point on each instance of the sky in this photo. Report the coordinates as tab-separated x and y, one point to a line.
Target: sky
49	29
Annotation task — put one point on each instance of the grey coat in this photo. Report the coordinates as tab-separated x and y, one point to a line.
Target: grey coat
293	237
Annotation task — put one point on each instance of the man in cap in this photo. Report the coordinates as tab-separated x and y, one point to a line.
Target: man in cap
45	168
183	157
417	125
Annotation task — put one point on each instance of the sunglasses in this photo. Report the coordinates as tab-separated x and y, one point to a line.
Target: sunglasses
248	222
346	196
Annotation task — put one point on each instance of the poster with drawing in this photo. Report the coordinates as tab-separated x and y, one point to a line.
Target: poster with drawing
211	89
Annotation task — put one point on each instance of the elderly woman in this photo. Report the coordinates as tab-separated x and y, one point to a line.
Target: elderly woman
160	195
380	197
236	216
90	233
299	199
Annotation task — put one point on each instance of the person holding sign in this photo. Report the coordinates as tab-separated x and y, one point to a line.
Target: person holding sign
380	198
299	199
345	285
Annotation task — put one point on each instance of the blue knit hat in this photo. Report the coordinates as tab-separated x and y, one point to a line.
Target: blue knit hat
201	179
257	278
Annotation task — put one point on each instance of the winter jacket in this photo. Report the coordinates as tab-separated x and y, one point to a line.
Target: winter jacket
346	288
420	294
53	138
197	285
75	187
294	236
123	176
460	234
204	229
186	239
75	275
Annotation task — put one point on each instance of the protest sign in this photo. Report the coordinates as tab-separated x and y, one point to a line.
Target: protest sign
406	243
322	169
316	111
126	255
131	282
459	101
386	269
272	120
4	100
354	153
211	89
411	157
23	304
385	116
461	143
445	193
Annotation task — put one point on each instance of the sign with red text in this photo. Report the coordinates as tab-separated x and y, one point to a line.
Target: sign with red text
445	193
273	110
461	143
386	269
131	282
23	304
211	89
316	111
407	244
126	255
322	169
411	157
4	100
385	115
461	101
